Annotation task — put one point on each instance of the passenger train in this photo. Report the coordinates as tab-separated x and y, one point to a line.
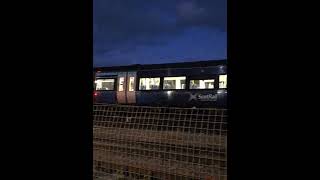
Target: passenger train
189	84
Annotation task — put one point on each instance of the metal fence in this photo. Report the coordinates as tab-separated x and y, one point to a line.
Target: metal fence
134	142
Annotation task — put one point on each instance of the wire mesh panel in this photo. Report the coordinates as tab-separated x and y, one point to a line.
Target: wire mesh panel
134	142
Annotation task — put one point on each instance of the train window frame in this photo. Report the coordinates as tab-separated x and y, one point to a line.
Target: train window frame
114	84
203	80
186	83
124	85
129	83
215	84
160	83
226	81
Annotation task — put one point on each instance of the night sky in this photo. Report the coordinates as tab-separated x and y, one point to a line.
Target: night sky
158	31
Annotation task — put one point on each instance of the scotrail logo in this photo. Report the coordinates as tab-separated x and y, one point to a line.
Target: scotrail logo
193	97
201	97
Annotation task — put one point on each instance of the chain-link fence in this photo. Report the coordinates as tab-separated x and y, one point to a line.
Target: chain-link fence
134	142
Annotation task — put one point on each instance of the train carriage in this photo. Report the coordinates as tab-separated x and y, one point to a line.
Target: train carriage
190	84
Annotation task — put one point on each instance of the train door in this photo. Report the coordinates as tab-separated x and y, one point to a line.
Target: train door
131	84
121	89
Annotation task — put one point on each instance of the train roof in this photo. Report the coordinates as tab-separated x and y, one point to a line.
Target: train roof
163	66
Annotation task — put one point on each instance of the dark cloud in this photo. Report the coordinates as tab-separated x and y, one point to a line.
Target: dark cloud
212	14
123	22
123	25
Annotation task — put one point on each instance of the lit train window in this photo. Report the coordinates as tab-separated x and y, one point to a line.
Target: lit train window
104	84
149	83
121	83
202	84
223	81
131	84
174	82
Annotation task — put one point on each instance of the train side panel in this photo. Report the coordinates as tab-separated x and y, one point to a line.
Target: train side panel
108	97
103	95
184	97
187	98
